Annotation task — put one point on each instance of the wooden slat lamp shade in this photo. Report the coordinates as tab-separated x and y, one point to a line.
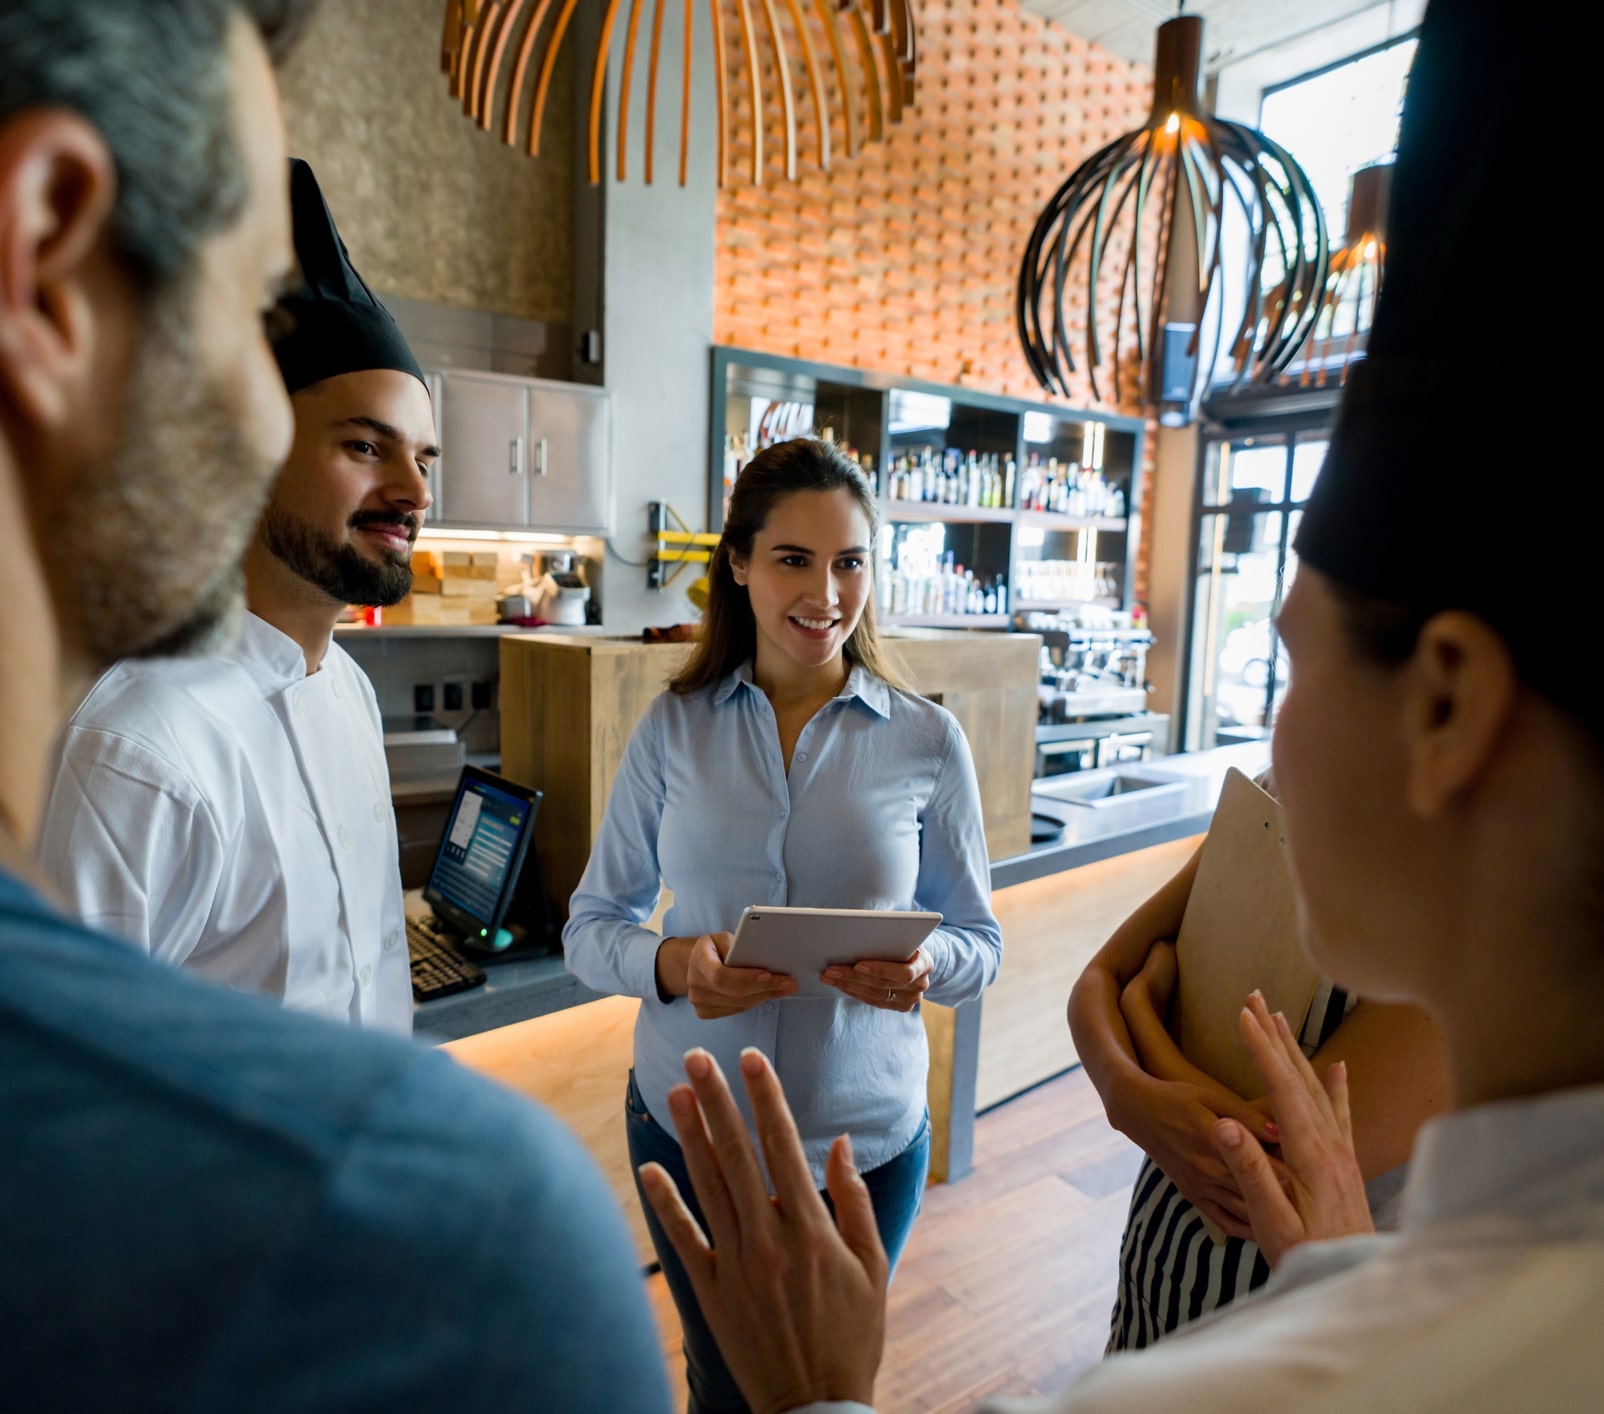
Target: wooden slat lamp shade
870	46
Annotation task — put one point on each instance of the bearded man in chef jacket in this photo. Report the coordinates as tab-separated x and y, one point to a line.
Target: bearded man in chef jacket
231	813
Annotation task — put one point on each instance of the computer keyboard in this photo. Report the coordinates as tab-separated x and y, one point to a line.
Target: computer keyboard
438	969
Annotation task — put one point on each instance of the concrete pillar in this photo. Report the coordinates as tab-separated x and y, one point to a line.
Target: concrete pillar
655	298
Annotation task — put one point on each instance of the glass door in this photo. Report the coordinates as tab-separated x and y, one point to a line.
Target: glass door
1253	492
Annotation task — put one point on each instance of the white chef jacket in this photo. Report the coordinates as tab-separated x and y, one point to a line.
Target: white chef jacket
232	814
1487	1298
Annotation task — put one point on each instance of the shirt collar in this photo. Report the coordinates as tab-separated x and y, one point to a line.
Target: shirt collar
861	684
1493	1160
273	659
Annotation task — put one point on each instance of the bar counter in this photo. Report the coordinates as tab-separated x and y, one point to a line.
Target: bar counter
522	989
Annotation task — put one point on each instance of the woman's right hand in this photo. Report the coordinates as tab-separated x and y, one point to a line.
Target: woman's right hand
1173	1121
694	968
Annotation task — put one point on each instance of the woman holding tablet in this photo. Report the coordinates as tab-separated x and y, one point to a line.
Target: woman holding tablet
787	764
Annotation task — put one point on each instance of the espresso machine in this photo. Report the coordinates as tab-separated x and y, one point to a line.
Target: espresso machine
1092	691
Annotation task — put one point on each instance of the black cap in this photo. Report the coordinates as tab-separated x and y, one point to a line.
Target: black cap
1445	486
339	324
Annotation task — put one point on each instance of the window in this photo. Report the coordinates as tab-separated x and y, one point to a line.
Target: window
1257	475
1339	119
1253	492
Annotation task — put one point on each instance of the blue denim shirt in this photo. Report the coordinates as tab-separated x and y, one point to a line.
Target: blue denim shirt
210	1203
880	809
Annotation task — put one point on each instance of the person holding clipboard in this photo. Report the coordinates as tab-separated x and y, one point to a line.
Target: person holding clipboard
787	764
1189	1245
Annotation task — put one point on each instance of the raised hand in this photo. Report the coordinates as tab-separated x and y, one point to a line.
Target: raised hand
796	1301
1318	1190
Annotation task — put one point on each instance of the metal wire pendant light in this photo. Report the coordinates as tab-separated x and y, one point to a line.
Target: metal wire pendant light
1199	233
1348	304
870	45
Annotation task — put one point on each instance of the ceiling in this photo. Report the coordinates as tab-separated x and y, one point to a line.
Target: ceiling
1233	30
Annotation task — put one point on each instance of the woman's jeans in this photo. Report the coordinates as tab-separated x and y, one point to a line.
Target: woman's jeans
896	1189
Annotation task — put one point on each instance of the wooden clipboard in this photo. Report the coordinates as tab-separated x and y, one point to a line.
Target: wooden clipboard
1239	932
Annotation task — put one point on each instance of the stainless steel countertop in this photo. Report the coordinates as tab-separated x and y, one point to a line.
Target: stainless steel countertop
1132	822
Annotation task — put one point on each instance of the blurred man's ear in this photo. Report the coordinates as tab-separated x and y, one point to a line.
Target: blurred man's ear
58	184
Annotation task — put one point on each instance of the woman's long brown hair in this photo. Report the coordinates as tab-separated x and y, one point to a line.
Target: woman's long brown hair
729	632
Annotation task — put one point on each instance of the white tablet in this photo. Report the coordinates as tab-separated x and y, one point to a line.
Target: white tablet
802	942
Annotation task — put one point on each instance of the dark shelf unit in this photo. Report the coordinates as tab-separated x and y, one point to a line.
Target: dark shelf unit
857	405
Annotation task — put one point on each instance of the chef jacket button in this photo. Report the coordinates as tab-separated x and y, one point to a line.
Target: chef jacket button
768	1006
345	837
366	974
378	812
801	756
392	940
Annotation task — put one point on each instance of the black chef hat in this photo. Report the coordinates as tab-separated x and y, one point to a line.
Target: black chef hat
339	326
1445	486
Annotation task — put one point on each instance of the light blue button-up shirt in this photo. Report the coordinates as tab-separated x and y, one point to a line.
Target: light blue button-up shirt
880	810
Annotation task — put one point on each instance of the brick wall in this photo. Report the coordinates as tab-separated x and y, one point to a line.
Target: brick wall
905	258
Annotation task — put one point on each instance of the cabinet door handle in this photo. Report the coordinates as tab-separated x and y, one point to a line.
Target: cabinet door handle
515	465
541	450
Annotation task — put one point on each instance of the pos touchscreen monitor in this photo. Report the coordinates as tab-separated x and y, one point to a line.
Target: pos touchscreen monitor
481	854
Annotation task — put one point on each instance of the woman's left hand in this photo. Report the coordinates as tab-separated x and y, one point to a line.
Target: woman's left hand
891	986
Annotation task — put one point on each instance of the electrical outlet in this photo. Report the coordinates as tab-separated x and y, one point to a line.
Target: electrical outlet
451	696
423	697
482	692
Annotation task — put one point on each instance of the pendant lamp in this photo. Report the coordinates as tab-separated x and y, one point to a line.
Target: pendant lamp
870	46
1188	235
1348	304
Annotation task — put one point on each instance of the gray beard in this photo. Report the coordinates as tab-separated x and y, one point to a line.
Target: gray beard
148	546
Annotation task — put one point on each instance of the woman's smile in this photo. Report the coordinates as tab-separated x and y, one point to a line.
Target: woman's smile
814	627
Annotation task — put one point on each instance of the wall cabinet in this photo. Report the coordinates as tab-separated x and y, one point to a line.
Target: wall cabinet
521	454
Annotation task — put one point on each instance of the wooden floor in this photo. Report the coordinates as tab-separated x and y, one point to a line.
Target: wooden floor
1006	1284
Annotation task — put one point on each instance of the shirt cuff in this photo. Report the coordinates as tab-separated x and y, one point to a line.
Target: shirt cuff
938	948
640	964
834	1406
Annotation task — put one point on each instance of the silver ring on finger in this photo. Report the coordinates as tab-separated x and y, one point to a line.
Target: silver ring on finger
891	996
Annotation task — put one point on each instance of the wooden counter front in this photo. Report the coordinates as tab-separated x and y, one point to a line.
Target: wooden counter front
569	704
